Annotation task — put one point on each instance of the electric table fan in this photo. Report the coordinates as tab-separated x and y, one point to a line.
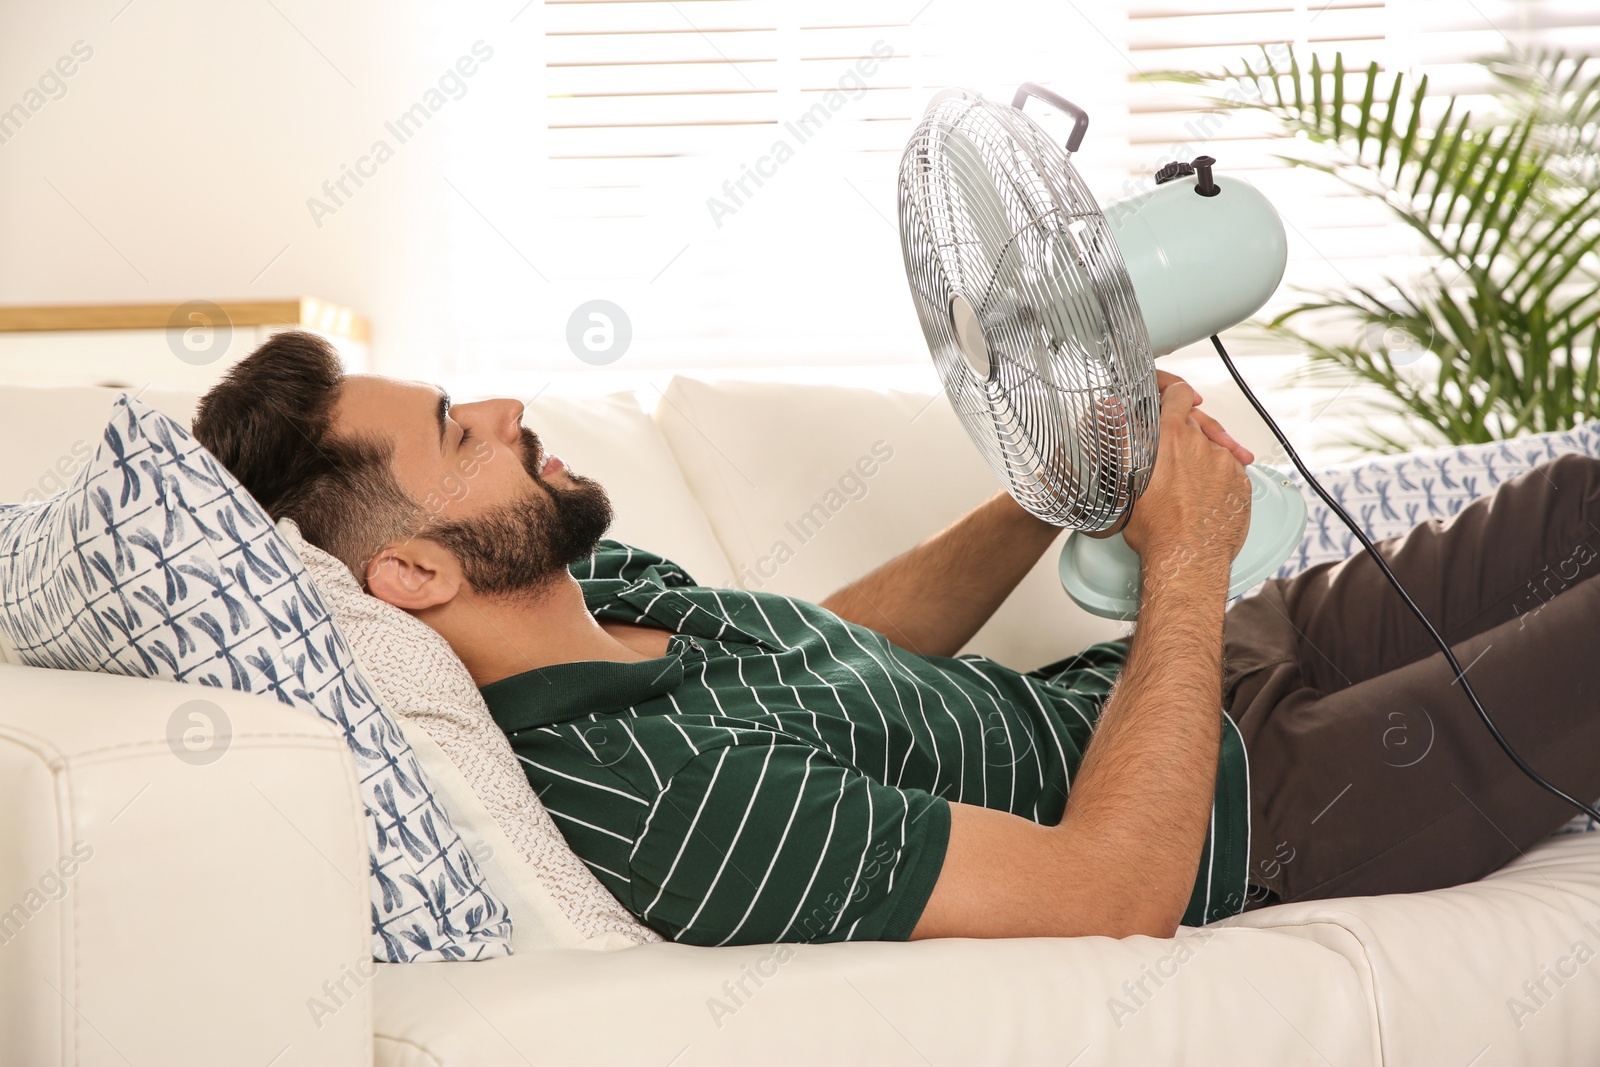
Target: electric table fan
1044	315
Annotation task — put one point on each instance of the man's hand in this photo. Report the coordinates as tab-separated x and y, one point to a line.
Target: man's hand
1213	429
1198	501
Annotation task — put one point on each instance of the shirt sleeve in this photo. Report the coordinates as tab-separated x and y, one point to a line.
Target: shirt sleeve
773	841
613	559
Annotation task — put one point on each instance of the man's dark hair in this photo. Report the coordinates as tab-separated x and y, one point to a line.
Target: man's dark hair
269	421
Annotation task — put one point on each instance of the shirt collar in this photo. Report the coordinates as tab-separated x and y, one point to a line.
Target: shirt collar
565	691
618	598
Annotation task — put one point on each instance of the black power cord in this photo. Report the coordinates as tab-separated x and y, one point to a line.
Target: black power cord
1383	565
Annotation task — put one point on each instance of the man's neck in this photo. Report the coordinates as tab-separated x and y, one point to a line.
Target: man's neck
497	637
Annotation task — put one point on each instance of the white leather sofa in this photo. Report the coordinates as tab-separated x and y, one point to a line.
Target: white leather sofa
171	943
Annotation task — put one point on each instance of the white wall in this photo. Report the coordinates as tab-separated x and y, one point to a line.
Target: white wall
178	161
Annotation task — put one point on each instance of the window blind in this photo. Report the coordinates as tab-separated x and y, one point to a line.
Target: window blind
724	171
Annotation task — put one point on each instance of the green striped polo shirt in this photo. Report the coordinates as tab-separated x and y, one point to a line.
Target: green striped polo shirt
784	775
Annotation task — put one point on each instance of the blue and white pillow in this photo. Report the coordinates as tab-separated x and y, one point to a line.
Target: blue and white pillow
1388	495
157	563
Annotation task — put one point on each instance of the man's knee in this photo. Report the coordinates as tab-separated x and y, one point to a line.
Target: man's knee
1566	490
1573	471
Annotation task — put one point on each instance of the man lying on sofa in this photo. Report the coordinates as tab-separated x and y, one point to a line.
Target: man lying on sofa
745	767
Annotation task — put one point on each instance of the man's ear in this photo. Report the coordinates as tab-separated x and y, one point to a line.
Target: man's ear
414	575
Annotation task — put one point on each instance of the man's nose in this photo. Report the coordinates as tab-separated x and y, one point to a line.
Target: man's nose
500	417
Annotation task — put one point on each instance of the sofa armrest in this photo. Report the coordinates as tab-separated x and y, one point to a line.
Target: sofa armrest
183	877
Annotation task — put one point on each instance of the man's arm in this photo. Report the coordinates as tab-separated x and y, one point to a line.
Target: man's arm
933	598
1123	858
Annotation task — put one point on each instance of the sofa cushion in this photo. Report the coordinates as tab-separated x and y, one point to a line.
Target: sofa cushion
1210	996
155	562
417	676
1505	970
1510	964
811	486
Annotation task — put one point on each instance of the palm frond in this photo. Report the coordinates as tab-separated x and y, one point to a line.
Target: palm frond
1507	204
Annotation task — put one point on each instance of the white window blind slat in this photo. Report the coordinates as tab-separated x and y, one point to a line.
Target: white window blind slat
593	168
652	113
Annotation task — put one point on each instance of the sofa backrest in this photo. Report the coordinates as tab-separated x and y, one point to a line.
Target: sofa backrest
811	486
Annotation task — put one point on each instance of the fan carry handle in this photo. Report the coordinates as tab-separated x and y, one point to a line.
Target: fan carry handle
1080	117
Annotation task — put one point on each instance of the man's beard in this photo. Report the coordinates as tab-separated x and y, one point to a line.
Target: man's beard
523	546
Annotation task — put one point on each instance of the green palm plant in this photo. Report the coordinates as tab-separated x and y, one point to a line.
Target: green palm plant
1498	336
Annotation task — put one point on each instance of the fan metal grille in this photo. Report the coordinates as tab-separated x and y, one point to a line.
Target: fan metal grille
1064	409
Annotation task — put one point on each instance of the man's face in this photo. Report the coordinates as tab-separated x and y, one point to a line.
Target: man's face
487	490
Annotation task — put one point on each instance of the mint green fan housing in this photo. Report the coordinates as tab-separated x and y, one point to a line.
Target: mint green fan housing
1044	316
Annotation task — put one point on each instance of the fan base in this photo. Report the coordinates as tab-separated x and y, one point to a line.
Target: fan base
1101	574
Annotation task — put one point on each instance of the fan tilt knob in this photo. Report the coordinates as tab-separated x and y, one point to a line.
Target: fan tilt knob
1202	165
1173	171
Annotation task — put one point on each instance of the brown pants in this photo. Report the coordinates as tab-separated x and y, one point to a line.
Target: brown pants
1369	770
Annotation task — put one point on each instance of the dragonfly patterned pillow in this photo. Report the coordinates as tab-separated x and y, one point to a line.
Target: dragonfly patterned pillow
156	563
1388	495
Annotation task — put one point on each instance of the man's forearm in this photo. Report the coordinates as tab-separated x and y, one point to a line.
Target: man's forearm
1143	795
1123	858
934	597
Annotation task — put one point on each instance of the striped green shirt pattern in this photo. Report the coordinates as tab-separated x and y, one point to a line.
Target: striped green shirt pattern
783	775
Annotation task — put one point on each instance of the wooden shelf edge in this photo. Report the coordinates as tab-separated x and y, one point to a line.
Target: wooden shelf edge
321	315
